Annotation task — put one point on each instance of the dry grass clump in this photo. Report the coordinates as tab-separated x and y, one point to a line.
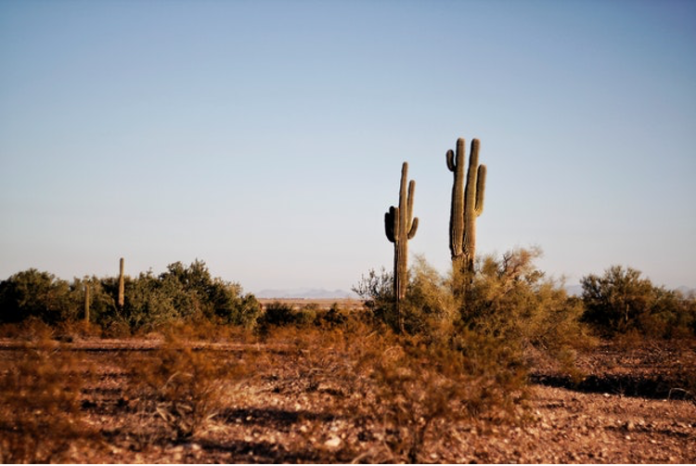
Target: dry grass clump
40	417
185	387
402	393
422	390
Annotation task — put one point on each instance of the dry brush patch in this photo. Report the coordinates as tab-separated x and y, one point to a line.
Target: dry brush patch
350	393
185	386
40	418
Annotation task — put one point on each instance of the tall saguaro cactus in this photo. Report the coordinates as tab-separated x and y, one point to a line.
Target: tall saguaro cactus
121	286
467	204
400	226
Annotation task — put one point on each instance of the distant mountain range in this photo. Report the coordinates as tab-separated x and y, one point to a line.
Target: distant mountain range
306	293
320	293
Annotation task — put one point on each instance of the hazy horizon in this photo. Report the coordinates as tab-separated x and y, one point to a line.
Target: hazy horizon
266	138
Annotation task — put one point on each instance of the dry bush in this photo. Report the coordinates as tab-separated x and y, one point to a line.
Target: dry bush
421	389
186	387
279	314
323	359
511	300
76	330
116	328
206	330
40	410
36	330
403	393
686	381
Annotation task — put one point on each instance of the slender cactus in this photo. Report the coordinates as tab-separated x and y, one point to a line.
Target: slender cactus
467	204
121	286
400	226
86	302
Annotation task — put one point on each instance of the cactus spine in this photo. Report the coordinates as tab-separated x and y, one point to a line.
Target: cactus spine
400	226
467	204
121	286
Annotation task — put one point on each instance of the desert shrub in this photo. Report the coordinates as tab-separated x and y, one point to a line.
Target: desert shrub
185	387
182	292
508	299
102	299
420	388
506	315
278	314
427	302
243	310
429	308
333	317
41	295
187	293
204	330
377	292
32	293
40	415
403	393
149	303
35	330
511	300
621	301
71	330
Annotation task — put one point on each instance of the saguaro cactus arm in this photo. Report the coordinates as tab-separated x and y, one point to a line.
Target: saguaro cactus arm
414	221
391	223
414	228
399	223
473	184
480	189
456	165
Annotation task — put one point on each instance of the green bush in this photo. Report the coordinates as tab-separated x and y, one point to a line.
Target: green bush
429	307
333	317
512	300
509	298
621	301
278	314
34	294
507	303
180	293
377	292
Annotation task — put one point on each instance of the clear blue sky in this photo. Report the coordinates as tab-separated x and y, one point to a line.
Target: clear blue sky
266	138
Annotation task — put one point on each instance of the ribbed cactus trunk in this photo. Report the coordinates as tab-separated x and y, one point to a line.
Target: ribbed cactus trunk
121	286
467	204
400	226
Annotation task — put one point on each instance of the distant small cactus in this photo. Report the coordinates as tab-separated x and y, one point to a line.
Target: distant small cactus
87	301
121	286
400	226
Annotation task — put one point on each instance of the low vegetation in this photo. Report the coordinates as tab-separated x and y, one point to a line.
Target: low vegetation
151	302
40	393
621	302
378	385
